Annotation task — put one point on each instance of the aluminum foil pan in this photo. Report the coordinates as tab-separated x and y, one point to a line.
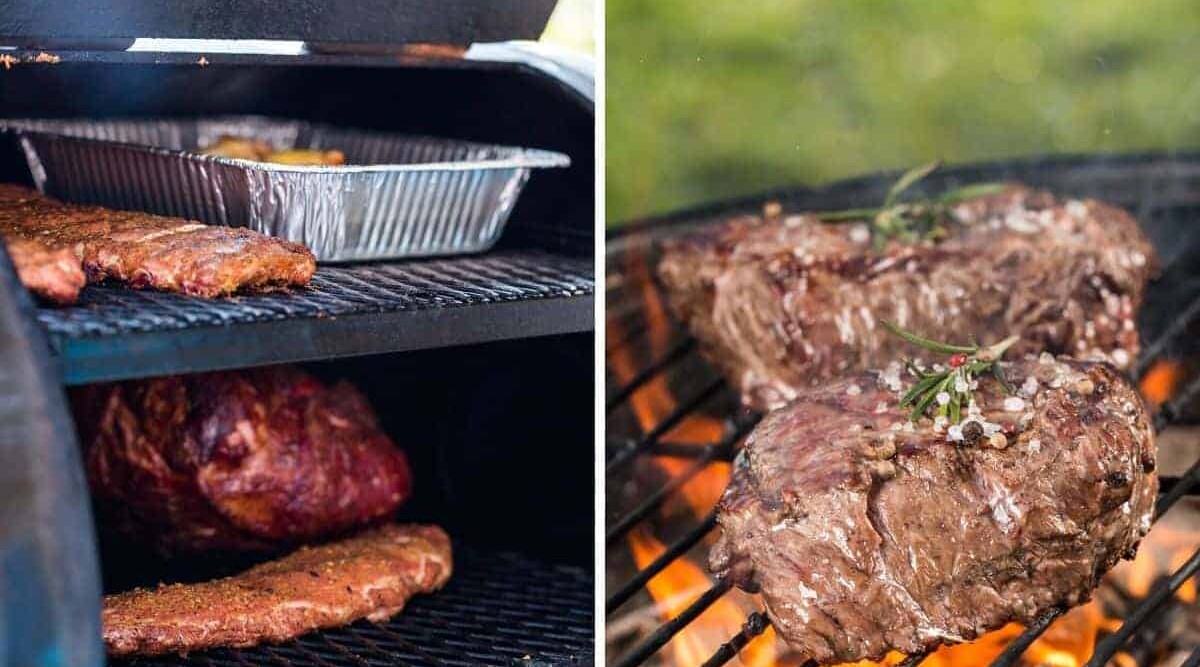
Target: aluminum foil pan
397	196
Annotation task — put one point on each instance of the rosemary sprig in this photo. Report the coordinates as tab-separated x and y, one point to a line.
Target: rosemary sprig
916	220
953	383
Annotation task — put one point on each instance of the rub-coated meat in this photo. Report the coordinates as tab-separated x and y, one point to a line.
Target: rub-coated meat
371	575
54	275
787	302
866	534
241	460
151	251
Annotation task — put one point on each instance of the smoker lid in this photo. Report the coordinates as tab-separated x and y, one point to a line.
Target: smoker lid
457	22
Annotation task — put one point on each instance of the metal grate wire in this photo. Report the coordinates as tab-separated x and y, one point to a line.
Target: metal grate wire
335	291
497	609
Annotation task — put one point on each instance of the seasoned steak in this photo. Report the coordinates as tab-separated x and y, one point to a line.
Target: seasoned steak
151	251
866	533
52	274
371	575
786	302
242	460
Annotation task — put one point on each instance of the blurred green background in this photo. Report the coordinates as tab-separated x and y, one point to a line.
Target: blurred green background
717	98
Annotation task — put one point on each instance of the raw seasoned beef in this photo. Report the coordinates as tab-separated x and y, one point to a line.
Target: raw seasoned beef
242	460
865	533
371	575
151	251
782	303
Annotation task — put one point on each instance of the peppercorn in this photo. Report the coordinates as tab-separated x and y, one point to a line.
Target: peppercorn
972	431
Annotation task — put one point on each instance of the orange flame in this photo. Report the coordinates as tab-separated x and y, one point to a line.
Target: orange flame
678	586
1159	383
653	401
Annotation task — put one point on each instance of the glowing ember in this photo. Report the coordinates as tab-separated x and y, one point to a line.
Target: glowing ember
1160	381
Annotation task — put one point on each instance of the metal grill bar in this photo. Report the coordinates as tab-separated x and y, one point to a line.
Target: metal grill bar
756	624
679	352
1193	660
666	631
708	454
1108	646
628	453
677	549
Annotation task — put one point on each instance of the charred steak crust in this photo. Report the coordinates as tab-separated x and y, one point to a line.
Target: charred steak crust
244	460
371	575
786	302
152	251
866	534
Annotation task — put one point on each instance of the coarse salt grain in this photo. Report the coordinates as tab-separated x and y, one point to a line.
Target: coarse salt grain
954	433
942	398
880	408
1029	387
853	390
1035	445
1014	404
1120	356
960	384
860	234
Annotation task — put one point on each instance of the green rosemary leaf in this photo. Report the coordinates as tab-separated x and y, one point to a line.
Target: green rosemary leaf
847	215
970	192
921	406
931	345
922	385
999	375
908	179
955	407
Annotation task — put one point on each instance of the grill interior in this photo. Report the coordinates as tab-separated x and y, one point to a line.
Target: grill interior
1157	188
477	366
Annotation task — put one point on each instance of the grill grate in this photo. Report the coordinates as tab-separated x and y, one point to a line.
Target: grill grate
497	609
1127	181
116	333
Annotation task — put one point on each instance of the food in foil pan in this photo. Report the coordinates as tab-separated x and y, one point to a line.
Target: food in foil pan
346	194
140	250
371	575
261	151
237	461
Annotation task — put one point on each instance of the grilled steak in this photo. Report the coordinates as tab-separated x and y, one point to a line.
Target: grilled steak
151	251
241	460
54	275
866	534
784	303
371	575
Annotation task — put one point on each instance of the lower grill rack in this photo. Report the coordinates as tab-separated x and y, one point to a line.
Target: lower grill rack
497	609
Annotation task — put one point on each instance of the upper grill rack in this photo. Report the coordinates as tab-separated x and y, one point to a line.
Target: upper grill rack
497	609
1147	184
117	333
